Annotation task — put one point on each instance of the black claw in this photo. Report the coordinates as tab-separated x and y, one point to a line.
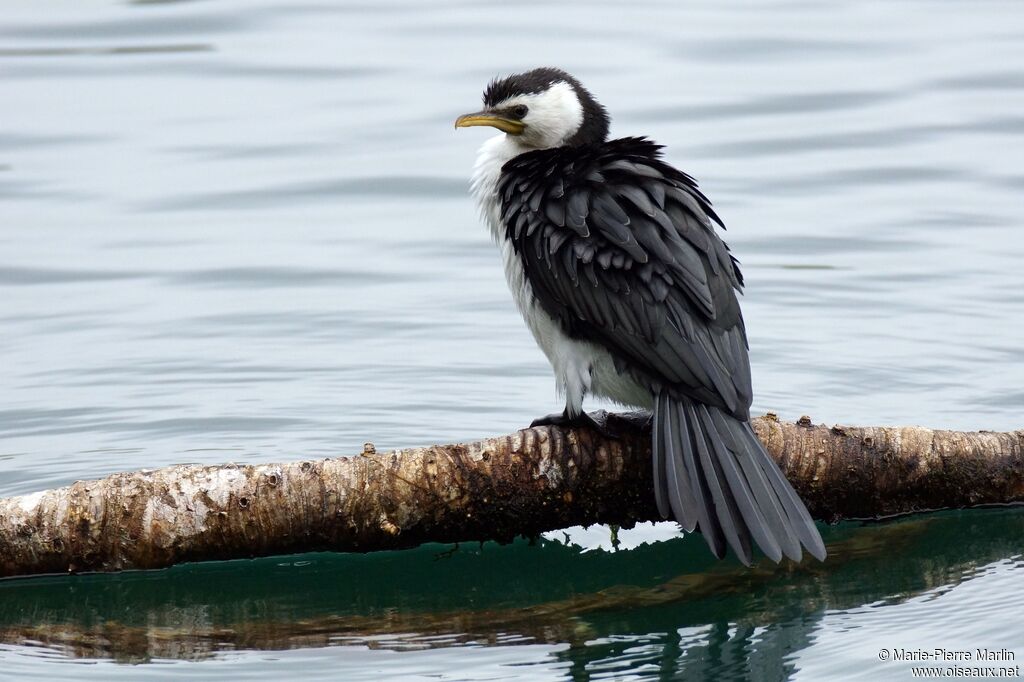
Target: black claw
599	422
555	419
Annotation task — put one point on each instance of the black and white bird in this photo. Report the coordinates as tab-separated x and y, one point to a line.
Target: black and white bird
614	261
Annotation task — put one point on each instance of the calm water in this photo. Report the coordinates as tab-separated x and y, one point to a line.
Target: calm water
241	231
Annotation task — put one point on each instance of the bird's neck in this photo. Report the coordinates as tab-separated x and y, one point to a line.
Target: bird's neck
494	154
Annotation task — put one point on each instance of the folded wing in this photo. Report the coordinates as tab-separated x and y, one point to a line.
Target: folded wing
621	249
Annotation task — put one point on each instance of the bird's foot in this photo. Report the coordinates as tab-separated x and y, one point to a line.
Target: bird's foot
553	419
599	421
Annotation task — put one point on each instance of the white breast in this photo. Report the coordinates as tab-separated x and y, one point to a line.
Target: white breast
580	367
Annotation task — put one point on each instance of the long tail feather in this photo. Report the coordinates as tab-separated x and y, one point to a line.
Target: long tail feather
801	519
712	473
741	490
658	452
724	497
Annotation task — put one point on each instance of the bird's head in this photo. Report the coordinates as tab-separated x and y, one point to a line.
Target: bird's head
541	109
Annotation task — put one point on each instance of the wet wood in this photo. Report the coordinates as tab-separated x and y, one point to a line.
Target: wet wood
521	484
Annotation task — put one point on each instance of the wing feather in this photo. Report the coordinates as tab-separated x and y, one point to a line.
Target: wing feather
621	249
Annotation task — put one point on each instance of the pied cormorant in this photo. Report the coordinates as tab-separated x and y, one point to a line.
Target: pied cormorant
614	262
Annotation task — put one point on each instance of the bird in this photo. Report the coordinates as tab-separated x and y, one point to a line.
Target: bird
615	263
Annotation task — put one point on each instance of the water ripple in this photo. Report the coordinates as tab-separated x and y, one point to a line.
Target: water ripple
366	188
768	105
21	276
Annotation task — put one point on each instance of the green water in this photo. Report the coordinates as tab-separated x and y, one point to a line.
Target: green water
659	611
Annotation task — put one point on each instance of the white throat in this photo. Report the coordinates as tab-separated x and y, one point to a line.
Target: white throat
493	154
553	117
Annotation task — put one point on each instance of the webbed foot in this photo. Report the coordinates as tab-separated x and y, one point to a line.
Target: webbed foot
598	421
553	419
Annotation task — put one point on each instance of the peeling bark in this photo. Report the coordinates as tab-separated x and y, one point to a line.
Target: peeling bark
522	484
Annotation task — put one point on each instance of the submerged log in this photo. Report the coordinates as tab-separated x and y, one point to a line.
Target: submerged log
532	481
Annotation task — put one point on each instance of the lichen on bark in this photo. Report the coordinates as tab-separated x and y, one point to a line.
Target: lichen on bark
524	483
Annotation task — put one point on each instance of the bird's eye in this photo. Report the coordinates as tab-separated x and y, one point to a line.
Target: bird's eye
518	111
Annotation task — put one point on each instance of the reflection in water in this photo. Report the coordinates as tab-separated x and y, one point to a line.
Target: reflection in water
680	613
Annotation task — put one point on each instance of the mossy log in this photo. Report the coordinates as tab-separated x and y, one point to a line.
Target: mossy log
525	483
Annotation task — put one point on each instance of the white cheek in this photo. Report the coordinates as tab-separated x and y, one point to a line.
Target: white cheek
554	116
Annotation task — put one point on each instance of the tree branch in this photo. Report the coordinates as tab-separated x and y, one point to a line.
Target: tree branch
522	484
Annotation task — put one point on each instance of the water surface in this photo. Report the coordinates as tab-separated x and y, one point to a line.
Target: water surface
241	232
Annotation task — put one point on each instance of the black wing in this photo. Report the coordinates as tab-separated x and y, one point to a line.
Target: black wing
620	248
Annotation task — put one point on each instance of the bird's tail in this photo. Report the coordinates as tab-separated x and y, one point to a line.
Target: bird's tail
711	472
